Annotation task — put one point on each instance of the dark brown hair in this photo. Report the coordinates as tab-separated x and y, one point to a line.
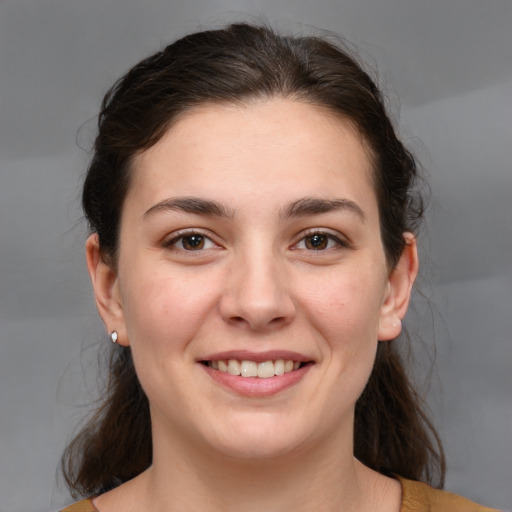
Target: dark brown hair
239	64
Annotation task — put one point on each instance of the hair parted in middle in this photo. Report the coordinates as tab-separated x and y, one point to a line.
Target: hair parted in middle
241	64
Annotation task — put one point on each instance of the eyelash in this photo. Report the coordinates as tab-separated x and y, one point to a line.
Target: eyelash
327	237
181	236
338	242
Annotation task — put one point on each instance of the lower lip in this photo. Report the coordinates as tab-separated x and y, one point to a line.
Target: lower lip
254	386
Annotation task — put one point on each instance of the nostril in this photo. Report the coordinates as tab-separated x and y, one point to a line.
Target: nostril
278	320
238	320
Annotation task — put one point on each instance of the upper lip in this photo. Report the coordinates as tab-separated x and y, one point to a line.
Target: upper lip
258	357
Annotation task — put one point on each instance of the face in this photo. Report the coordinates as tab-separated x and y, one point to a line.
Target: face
252	284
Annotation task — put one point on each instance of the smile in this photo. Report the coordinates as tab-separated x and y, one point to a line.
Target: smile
247	368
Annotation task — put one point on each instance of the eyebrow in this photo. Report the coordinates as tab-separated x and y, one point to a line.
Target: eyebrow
317	206
195	205
300	208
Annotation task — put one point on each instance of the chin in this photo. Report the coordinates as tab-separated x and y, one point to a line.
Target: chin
259	441
258	450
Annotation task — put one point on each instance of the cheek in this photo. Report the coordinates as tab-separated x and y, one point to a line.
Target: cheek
344	314
163	316
345	306
166	311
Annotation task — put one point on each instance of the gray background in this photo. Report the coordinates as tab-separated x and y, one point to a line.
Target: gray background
450	64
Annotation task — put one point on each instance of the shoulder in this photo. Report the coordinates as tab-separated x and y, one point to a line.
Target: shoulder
81	506
420	497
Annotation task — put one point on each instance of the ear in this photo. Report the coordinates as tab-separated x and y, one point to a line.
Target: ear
398	292
106	289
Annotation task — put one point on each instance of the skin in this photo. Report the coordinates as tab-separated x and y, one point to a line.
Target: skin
258	284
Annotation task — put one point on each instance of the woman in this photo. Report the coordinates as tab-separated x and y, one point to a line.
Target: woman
252	255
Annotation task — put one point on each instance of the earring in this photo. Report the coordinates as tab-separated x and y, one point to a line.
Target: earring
113	336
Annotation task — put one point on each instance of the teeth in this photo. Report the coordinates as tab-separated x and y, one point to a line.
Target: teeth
249	369
234	367
266	370
253	369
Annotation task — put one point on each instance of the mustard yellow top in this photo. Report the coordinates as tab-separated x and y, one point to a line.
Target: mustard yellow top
416	497
420	497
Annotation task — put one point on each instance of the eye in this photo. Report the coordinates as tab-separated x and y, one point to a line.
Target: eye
191	242
320	241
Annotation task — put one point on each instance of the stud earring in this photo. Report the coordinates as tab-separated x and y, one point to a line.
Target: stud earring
113	336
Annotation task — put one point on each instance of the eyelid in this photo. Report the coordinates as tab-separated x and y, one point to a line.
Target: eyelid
341	240
174	237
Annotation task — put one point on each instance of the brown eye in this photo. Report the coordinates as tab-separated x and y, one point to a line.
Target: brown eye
193	242
321	241
316	242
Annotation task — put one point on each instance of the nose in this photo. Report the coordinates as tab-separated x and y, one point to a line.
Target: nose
257	294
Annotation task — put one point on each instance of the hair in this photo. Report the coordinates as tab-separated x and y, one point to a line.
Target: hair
239	64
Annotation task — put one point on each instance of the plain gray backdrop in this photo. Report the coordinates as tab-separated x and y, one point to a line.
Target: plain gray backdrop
447	68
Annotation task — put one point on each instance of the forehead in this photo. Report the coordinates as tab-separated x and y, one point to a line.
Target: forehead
277	146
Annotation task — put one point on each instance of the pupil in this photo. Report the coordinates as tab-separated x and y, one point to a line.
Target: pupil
193	242
317	241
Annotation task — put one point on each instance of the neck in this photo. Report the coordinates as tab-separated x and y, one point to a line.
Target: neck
188	477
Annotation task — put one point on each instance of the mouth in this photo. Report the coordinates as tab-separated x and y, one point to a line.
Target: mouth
256	369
